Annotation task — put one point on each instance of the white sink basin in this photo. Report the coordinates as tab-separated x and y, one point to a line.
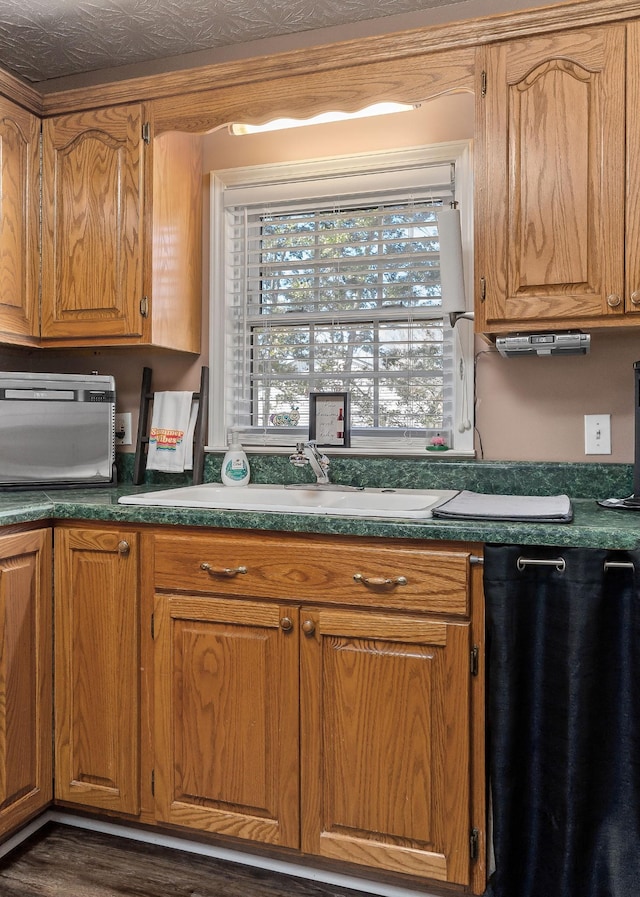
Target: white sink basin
395	503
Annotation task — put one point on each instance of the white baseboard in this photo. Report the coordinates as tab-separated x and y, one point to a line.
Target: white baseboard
30	829
211	850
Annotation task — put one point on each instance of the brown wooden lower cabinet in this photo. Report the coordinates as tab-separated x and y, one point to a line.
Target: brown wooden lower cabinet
226	699
25	676
314	693
385	741
97	669
297	720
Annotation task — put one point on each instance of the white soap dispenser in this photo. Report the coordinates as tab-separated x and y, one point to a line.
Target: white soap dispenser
235	464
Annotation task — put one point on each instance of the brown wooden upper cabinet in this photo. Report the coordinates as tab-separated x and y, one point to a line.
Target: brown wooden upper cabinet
19	224
558	123
121	239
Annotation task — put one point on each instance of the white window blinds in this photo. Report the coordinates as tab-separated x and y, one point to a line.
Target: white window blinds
338	293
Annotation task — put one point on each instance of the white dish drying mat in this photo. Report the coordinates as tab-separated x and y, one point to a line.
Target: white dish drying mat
479	506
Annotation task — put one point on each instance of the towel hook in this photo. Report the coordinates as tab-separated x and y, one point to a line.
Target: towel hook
561	565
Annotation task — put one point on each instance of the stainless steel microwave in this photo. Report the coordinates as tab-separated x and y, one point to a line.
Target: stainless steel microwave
56	429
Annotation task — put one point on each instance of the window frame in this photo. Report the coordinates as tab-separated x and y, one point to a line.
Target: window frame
279	180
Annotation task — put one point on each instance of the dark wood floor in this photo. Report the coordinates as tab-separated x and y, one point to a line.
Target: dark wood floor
61	861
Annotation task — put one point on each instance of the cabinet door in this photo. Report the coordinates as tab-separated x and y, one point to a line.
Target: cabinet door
25	676
633	170
92	224
19	223
550	203
226	698
385	742
97	669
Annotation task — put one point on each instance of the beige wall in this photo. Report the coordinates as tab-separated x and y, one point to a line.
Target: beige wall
533	408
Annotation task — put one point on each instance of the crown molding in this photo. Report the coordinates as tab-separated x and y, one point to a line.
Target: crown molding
464	34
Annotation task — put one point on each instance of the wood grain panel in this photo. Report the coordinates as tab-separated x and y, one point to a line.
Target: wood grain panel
92	218
176	242
385	698
25	676
26	95
19	224
97	669
632	217
347	89
18	710
226	689
310	569
386	743
550	106
550	228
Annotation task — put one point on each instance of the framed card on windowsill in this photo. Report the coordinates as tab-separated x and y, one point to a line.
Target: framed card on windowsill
329	418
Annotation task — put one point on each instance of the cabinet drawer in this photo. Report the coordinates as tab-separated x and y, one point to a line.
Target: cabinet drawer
321	570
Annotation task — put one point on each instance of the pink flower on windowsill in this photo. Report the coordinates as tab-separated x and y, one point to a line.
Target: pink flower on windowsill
437	444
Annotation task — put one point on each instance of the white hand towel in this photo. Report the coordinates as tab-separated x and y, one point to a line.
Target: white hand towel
169	435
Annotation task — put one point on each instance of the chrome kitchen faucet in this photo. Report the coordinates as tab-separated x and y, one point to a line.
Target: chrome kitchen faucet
308	453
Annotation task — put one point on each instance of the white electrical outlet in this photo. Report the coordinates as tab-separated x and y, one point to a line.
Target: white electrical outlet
597	434
123	428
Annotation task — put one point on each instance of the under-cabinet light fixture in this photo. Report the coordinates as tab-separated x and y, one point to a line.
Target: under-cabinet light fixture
278	124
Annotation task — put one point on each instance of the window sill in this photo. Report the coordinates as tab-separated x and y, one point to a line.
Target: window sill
333	451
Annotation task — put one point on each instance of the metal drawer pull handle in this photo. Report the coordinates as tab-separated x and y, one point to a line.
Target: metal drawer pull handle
286	624
123	547
377	581
224	571
308	627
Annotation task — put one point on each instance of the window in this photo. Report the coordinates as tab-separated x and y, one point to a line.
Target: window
327	279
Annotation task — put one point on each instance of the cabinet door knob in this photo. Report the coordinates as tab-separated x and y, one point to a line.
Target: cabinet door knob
223	571
123	547
613	300
286	624
635	297
380	581
308	627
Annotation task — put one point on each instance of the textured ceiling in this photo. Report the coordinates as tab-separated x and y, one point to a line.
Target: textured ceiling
44	39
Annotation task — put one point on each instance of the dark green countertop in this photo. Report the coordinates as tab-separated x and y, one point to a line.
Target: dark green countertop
592	527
